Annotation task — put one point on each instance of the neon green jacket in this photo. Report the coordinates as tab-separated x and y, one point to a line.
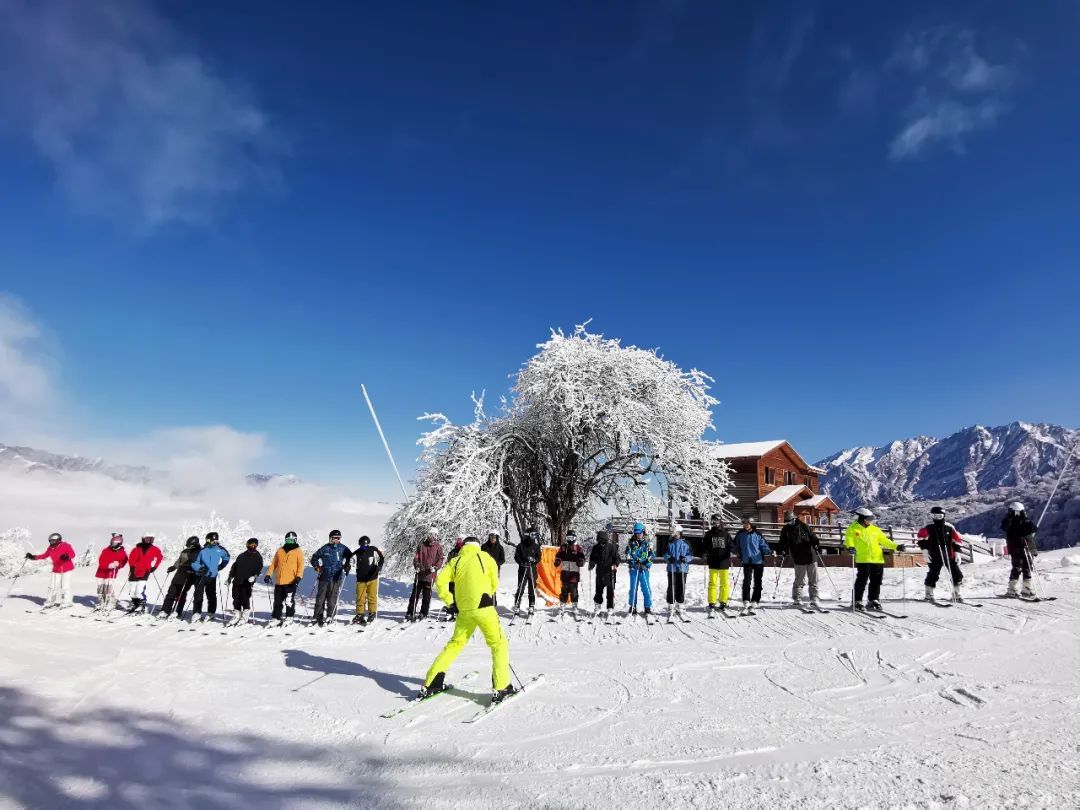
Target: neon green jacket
475	577
868	541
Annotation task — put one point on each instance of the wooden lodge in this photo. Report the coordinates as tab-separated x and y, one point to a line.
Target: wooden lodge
770	478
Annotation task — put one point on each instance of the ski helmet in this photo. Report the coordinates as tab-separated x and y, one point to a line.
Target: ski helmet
571	535
55	537
116	540
492	533
639	528
252	541
192	541
676	530
789	516
530	531
290	537
748	519
937	513
149	537
602	537
1016	507
335	534
211	537
863	512
365	540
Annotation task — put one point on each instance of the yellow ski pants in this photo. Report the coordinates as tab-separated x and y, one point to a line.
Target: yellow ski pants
467	621
718	581
367	594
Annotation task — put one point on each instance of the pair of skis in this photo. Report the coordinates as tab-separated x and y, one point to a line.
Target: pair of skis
876	613
536	680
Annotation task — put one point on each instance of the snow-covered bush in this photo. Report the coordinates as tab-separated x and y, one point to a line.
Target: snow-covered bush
589	424
14	543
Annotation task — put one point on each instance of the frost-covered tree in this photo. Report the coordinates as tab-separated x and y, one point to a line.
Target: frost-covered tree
590	424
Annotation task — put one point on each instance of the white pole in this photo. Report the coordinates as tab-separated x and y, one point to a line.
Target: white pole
389	455
1053	492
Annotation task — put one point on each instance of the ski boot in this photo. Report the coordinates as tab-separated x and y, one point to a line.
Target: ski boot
646	613
499	695
1013	592
873	604
358	619
745	609
859	606
370	618
929	596
321	621
1027	592
135	607
438	684
814	603
670	614
633	610
202	618
709	612
956	596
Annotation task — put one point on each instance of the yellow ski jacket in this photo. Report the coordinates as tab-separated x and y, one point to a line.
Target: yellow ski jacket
475	578
868	541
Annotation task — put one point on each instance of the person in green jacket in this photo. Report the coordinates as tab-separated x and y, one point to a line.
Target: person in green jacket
866	541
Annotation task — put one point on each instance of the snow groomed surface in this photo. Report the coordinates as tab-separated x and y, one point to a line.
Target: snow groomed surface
948	708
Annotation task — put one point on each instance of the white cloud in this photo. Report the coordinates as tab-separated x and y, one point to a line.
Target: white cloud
958	90
135	125
26	382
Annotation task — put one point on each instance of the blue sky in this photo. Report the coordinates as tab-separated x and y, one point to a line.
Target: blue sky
859	218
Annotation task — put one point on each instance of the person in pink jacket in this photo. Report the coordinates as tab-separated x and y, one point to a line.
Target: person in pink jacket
112	558
62	556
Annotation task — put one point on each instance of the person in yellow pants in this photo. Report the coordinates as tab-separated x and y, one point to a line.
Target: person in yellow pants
716	548
475	577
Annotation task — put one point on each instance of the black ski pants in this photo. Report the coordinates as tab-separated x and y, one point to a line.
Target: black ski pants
569	592
1021	563
526	579
933	571
327	597
756	571
868	573
205	586
676	583
285	596
605	583
421	593
177	594
241	595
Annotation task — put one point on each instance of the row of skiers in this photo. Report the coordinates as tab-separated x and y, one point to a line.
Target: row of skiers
196	569
718	549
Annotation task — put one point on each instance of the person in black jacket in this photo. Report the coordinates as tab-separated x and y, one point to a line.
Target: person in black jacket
527	557
798	541
716	548
368	562
942	543
1020	542
245	569
493	547
183	579
604	557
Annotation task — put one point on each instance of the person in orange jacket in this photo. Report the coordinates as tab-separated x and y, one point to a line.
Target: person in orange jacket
287	569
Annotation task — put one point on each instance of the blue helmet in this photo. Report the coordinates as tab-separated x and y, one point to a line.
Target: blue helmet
639	528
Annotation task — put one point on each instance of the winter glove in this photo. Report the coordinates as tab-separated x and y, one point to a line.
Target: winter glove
170	569
900	547
221	565
114	565
453	611
29	556
64	558
266	580
251	579
433	569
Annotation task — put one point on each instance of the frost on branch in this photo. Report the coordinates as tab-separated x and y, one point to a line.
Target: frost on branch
590	426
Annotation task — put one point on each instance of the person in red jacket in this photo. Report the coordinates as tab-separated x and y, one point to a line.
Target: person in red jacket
143	561
62	557
427	561
112	558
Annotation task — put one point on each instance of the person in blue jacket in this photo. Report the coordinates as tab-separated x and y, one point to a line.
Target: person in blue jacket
205	567
678	565
639	561
752	549
331	562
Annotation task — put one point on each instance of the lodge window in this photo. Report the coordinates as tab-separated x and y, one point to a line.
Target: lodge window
770	475
789	477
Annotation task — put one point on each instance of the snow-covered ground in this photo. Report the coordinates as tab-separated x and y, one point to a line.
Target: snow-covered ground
951	707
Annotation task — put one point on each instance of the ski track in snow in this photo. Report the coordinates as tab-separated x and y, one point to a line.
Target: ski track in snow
959	707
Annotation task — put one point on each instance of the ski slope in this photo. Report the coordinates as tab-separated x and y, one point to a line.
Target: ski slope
952	707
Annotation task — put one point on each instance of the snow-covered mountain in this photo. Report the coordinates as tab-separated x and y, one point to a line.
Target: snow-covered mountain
41	462
972	473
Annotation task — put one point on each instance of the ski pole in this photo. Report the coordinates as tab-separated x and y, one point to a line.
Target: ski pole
520	684
160	591
836	593
13	581
853	576
779	571
1034	573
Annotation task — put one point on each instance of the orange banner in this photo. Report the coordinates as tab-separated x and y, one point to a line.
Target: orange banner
548	579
